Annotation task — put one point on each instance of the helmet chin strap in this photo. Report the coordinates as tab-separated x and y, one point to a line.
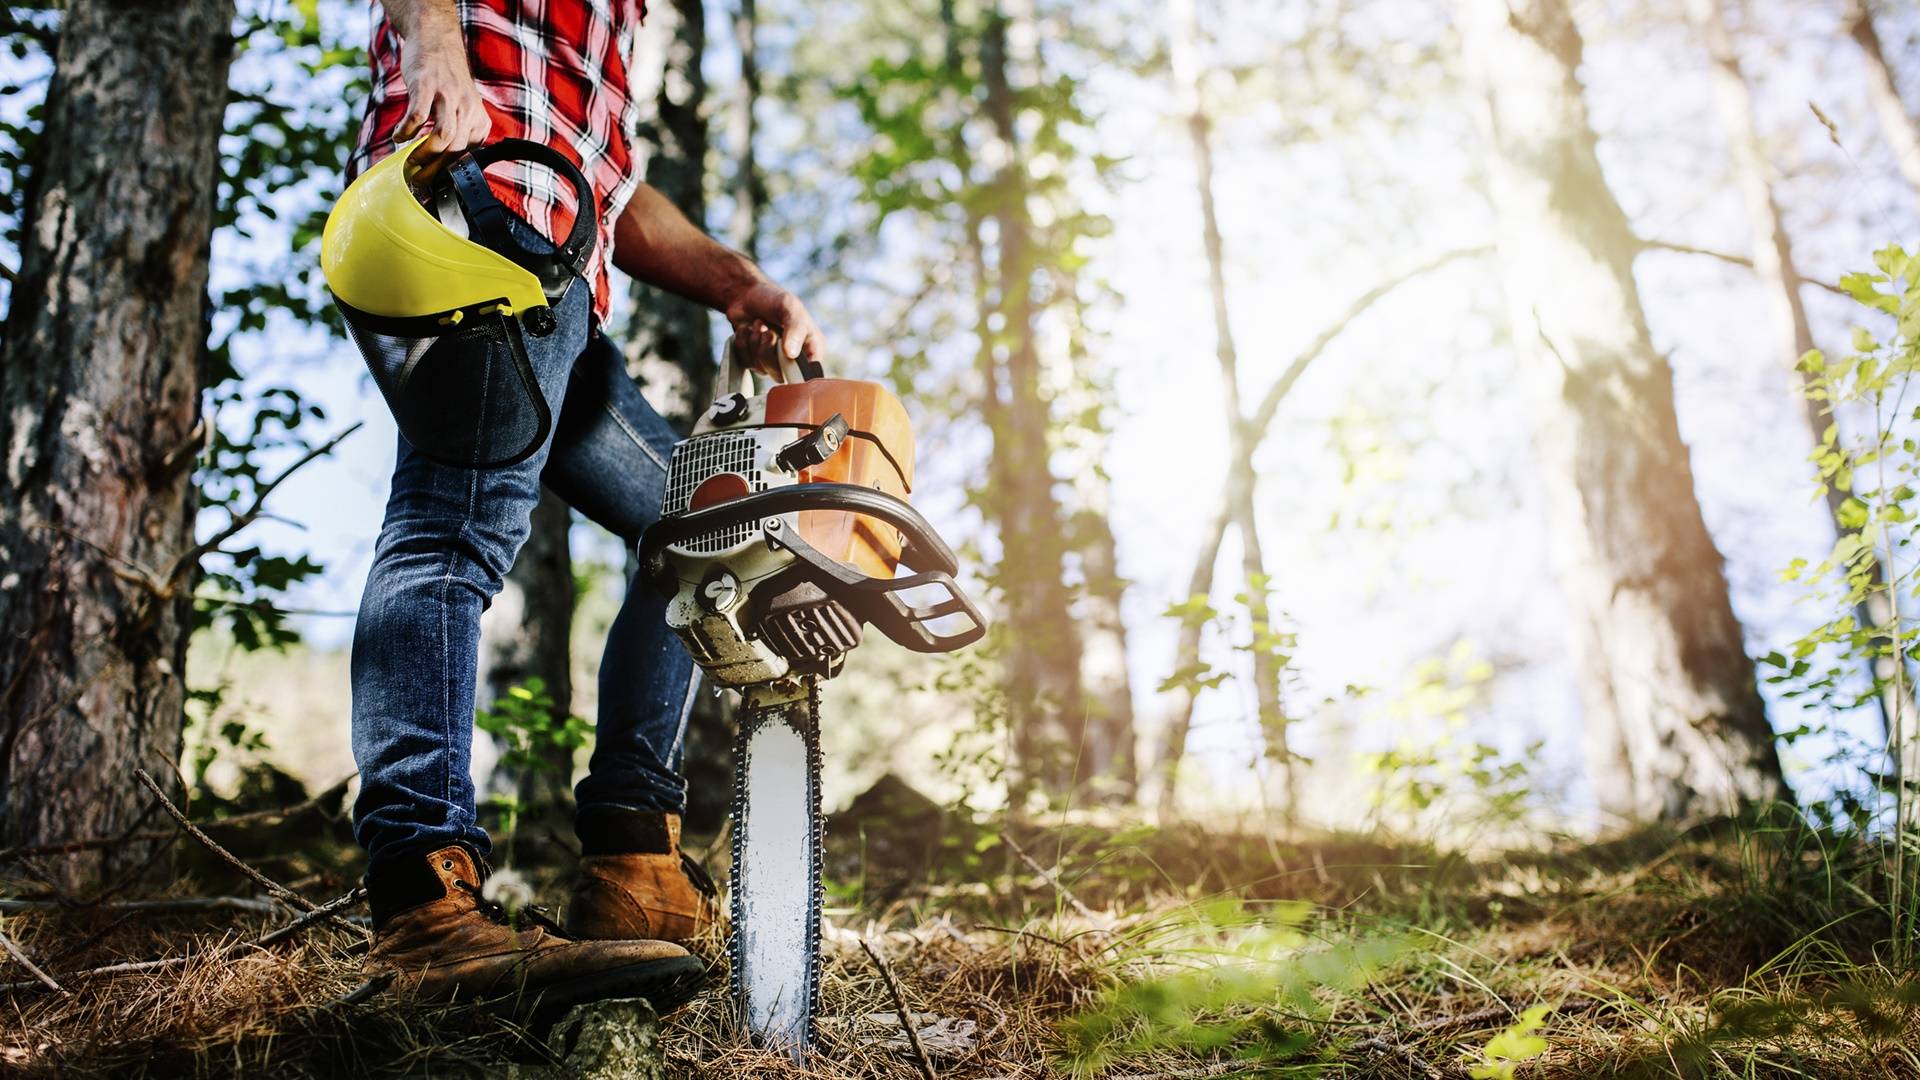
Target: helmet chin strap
486	218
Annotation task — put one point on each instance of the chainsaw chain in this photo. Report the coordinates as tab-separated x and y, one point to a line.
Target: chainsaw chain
807	723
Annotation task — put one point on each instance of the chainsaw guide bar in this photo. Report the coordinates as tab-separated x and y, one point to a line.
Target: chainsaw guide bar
777	848
782	531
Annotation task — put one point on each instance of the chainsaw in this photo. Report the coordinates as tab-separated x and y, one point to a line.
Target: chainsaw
784	523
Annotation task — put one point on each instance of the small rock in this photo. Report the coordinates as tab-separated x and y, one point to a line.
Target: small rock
616	1039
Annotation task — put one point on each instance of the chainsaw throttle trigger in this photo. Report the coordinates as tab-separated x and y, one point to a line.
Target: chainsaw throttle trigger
815	446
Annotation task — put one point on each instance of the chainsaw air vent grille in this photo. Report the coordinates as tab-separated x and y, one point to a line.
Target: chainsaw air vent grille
709	455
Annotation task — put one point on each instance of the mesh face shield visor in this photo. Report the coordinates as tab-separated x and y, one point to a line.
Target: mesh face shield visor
441	318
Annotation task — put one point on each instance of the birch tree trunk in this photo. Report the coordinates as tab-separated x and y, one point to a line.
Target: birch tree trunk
1675	725
1242	483
99	398
1895	121
1773	264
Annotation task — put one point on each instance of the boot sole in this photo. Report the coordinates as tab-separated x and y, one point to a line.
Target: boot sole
665	984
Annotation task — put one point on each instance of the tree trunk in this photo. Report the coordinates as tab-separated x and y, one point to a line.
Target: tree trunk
526	634
670	350
1895	121
1773	264
1112	759
749	188
99	398
1675	722
1045	697
1186	658
1243	481
670	346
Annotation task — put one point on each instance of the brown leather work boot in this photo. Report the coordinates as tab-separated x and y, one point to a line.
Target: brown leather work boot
634	881
443	942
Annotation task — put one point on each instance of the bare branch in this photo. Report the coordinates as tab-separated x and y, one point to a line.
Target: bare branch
237	522
273	887
249	904
330	795
1262	418
1726	257
329	911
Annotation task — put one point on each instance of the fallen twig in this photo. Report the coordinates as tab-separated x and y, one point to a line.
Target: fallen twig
254	817
251	904
1052	879
14	949
900	1006
273	887
329	911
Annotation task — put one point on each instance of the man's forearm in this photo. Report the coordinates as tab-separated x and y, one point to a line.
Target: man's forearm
413	19
655	243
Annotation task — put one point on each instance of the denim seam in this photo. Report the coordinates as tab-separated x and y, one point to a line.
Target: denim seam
446	647
645	446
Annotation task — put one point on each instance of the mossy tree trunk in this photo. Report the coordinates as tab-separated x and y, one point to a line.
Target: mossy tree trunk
99	401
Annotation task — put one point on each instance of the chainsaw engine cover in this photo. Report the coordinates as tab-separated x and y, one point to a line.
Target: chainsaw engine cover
743	620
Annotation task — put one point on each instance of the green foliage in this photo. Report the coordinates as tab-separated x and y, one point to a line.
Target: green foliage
1252	983
289	128
1434	778
535	740
1513	1047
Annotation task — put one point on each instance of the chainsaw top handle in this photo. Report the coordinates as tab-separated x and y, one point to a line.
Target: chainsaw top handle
880	601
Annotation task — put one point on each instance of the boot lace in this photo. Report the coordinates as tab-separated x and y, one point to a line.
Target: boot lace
496	912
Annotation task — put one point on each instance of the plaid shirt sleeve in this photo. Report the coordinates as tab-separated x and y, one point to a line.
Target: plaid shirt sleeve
552	71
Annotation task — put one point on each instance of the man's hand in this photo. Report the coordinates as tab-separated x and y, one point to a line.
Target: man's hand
440	88
773	331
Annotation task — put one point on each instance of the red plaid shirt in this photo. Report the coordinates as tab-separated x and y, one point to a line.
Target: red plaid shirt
553	71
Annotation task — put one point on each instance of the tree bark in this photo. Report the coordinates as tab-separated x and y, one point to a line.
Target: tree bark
526	634
1044	689
1895	121
670	345
1773	264
99	396
749	187
1676	726
1113	763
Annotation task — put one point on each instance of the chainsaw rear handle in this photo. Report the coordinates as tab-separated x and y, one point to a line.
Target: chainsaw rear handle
879	601
734	370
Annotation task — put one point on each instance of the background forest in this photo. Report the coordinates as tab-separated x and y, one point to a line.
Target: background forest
1442	476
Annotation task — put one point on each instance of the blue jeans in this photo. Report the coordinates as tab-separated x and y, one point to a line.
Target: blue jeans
450	536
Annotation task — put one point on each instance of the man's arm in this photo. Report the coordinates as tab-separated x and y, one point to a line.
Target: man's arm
433	63
655	243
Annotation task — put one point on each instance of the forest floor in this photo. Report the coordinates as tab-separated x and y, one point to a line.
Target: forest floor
1086	951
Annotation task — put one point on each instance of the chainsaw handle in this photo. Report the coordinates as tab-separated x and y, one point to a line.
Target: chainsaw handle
734	370
880	601
923	551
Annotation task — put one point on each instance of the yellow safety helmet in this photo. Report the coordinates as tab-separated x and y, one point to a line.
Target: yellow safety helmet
438	299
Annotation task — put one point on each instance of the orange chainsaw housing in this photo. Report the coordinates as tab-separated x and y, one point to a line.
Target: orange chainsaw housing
877	453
